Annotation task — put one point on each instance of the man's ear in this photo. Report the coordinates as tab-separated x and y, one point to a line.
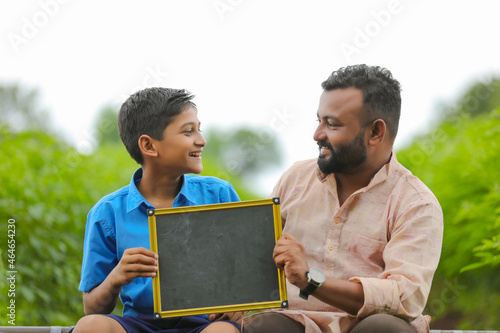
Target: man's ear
378	131
147	146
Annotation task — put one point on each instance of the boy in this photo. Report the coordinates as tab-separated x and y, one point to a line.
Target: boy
161	131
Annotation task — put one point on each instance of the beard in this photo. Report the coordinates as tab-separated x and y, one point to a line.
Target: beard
344	158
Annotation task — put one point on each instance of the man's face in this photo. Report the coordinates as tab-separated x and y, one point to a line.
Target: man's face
340	137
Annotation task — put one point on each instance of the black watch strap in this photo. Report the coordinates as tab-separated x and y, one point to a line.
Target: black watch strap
304	293
315	278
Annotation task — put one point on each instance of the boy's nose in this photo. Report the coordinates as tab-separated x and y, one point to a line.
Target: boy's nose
201	141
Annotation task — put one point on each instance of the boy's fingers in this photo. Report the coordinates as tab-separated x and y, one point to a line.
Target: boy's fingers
140	250
212	317
139	259
140	268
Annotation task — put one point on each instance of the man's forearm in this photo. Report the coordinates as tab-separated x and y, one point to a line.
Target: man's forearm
102	299
344	295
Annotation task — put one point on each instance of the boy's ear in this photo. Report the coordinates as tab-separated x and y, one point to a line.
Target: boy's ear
378	130
147	146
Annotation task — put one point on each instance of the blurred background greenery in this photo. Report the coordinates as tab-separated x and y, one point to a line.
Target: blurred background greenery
48	187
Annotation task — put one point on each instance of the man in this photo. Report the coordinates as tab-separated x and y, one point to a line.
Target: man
362	235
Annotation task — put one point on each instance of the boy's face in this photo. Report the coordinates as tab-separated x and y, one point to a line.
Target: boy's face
182	144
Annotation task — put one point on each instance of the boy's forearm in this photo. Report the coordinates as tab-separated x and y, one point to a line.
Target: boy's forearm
102	299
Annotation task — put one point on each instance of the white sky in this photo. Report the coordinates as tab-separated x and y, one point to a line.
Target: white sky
249	62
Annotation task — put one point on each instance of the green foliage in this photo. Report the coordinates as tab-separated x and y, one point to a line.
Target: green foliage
481	98
460	162
19	108
107	127
48	189
244	152
44	191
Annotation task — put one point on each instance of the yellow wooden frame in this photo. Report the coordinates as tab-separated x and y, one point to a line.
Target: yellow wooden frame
159	313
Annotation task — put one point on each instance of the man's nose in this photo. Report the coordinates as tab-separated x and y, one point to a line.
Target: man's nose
319	134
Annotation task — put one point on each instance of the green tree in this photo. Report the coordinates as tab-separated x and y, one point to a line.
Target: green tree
48	188
20	108
44	190
459	160
106	126
244	152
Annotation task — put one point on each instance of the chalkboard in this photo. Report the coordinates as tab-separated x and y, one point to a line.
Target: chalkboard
216	258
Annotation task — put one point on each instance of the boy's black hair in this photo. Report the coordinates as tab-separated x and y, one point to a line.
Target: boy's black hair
150	111
381	92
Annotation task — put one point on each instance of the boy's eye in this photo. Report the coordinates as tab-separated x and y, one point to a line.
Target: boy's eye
191	130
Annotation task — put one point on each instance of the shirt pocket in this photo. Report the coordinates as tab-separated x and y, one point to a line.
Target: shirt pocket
366	255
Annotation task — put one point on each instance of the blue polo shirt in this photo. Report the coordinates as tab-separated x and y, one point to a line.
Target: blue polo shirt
119	221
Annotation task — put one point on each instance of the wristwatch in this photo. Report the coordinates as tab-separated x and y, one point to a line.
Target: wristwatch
315	278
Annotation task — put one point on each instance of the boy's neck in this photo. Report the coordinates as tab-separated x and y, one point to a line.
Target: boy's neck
159	190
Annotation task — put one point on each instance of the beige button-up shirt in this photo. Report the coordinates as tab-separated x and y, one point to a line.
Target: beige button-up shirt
386	236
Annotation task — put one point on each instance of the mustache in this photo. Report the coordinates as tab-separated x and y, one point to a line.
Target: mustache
326	144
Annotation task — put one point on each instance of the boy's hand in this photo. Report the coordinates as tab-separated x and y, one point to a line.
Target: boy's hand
135	262
236	317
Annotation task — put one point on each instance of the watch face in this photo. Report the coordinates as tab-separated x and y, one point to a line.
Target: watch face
317	275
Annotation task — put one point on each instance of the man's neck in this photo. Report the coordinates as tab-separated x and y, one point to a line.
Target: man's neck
348	183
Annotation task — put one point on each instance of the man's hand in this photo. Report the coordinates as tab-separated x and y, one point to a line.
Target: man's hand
135	262
289	254
236	317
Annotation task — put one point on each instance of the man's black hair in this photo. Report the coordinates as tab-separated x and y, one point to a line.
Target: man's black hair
381	92
150	111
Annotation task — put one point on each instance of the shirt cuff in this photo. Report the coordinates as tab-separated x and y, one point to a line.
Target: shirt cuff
381	296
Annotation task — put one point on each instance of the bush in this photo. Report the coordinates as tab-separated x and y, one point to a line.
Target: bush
459	161
48	188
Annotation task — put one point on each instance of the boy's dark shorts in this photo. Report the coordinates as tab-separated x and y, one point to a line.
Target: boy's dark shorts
146	324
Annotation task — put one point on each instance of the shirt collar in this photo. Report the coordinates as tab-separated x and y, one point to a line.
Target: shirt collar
384	172
186	196
135	198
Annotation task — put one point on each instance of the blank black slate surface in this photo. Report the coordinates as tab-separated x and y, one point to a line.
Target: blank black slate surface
216	258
